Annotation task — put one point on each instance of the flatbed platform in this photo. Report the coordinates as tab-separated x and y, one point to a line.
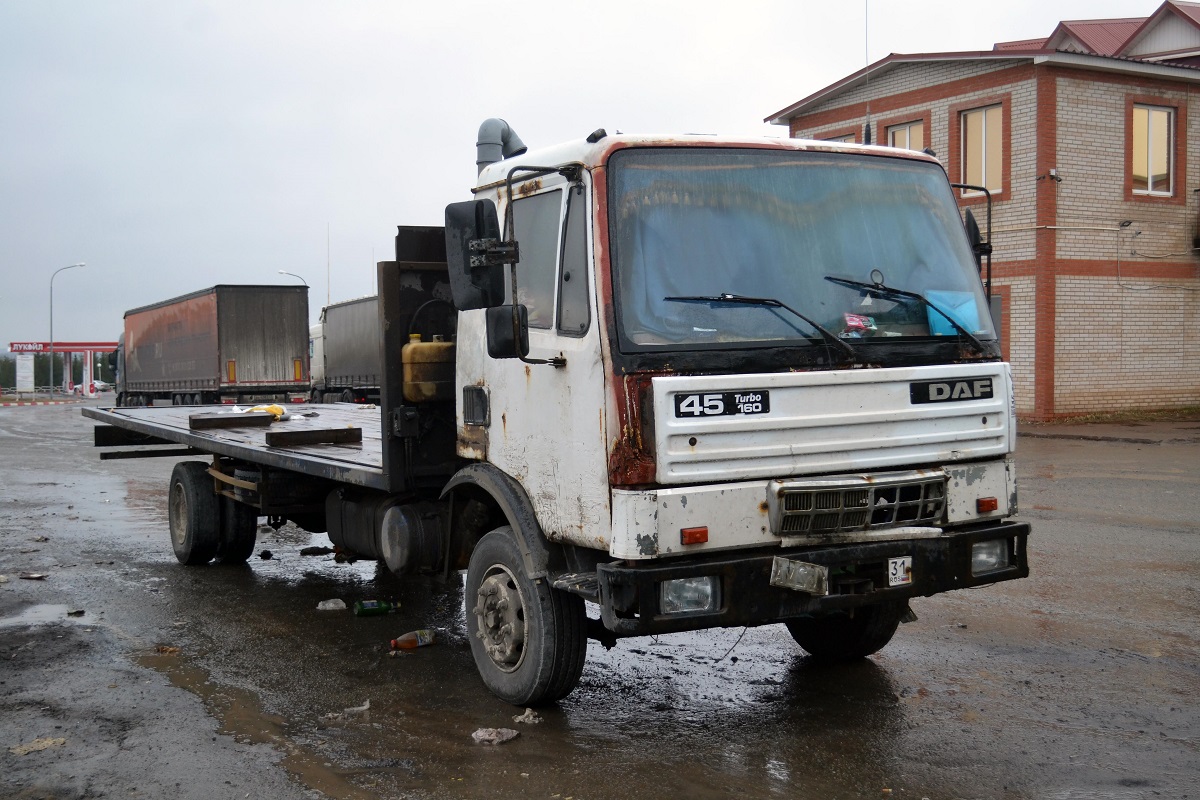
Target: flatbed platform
359	463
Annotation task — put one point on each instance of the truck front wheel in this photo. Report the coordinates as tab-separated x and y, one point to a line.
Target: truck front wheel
529	640
193	514
842	637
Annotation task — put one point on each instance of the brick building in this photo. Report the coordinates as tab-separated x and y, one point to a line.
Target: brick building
1089	142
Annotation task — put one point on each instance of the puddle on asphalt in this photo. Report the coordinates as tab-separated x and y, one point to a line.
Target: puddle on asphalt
45	614
239	714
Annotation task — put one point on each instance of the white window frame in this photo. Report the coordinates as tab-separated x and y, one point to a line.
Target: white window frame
1150	191
907	128
997	108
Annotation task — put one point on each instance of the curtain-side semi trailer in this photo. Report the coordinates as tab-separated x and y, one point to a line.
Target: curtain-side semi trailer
225	344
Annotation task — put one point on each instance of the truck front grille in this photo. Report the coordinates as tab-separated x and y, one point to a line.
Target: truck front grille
864	506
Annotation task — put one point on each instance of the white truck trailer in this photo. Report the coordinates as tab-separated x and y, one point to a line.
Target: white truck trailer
689	382
350	352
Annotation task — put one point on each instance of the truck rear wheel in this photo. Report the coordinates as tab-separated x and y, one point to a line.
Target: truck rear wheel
842	637
192	514
239	530
529	640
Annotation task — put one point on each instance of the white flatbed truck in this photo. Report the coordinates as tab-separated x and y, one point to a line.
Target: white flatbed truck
694	381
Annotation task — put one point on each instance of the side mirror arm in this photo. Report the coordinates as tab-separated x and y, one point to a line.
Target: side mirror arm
980	246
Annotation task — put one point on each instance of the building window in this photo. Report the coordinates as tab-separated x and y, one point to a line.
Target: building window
909	136
1153	147
848	138
982	147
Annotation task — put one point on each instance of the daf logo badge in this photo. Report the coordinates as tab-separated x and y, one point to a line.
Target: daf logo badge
951	391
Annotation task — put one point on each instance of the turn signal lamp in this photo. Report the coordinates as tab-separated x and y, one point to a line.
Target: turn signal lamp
694	535
986	505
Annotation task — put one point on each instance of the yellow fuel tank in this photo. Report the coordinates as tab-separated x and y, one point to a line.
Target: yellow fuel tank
428	370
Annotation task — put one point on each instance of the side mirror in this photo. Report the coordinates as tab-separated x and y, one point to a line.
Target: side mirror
978	246
508	331
478	285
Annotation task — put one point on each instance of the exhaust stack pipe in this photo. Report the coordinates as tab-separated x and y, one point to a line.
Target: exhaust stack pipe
496	142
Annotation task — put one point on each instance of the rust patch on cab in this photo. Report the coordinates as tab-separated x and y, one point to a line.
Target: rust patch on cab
473	442
529	187
631	457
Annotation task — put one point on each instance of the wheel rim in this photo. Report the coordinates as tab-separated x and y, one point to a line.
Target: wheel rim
500	618
179	512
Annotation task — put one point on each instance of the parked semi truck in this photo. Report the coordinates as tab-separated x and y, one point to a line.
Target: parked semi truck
690	382
225	344
350	347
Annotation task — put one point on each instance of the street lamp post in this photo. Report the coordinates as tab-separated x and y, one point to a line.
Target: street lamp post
294	275
72	266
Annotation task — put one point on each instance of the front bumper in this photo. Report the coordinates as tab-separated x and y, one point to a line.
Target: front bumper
629	596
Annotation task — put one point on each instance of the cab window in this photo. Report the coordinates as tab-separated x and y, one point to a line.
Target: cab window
536	228
574	310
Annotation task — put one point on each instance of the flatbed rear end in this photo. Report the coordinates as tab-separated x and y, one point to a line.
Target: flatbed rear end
360	464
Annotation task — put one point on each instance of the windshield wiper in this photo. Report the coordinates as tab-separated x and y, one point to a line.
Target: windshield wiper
883	290
769	302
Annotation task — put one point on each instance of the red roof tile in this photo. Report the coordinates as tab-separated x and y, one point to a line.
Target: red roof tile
1103	37
1023	44
1100	38
1189	10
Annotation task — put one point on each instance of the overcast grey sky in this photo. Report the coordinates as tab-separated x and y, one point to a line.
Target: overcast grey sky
173	145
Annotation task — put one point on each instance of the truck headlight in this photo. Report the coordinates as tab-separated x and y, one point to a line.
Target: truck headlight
989	556
689	595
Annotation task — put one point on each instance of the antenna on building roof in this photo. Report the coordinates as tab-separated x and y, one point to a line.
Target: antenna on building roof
866	66
866	32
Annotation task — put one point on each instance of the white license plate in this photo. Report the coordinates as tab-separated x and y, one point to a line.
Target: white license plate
900	571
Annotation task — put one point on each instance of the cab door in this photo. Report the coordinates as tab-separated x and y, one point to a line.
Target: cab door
547	422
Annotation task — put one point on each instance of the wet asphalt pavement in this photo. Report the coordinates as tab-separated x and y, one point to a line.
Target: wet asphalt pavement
216	682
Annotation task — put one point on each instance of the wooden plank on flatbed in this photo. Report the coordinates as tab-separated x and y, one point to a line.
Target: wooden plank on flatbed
248	419
314	436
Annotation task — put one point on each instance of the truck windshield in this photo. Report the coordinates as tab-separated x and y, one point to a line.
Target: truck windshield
701	222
